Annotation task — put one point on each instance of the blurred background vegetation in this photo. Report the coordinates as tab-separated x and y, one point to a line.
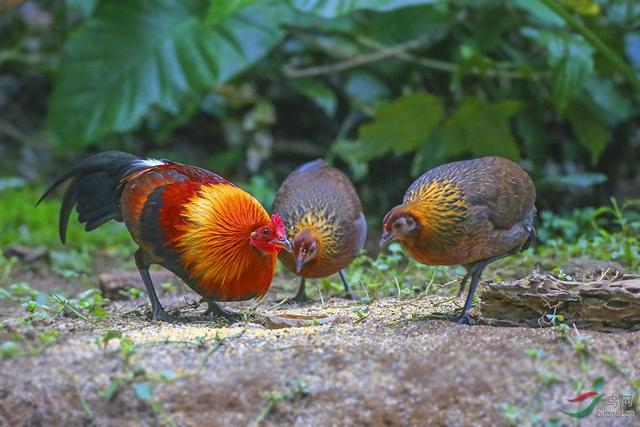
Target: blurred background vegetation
383	89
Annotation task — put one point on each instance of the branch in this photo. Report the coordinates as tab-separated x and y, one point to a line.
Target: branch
451	67
357	61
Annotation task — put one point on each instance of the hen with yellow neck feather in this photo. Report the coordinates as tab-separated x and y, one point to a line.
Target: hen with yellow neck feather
468	213
323	217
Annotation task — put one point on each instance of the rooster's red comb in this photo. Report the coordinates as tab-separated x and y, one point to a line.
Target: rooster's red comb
279	224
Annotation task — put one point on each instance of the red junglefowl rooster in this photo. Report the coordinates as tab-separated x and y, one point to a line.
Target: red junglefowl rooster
213	235
324	219
468	213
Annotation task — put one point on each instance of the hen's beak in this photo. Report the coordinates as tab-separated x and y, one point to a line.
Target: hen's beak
386	239
299	263
285	244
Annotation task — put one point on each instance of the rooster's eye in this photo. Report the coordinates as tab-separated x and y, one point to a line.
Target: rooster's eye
265	232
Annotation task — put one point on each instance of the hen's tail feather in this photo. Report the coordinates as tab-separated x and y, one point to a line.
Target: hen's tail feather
95	189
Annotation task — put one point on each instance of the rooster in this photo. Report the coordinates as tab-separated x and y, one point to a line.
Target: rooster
468	213
323	215
213	235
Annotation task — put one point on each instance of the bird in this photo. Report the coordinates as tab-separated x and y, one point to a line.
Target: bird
468	213
210	233
324	220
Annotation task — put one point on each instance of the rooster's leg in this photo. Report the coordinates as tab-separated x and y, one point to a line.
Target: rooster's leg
301	295
217	310
347	286
157	310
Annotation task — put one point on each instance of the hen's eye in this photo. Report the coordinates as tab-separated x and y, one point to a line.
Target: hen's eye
265	232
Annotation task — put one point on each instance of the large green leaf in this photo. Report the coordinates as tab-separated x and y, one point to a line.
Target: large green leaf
334	8
481	128
133	55
589	129
399	126
540	12
221	10
571	61
248	36
402	124
405	24
319	92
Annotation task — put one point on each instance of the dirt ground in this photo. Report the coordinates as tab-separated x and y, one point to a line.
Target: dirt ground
385	363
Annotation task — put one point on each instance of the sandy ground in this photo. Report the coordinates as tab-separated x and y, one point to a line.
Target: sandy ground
385	363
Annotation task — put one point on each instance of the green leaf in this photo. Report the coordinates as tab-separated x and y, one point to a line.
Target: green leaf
598	384
248	36
131	56
613	105
405	24
569	76
364	88
9	349
481	128
319	92
580	179
540	12
571	60
219	10
110	335
401	124
335	8
589	129
111	390
143	391
530	127
354	154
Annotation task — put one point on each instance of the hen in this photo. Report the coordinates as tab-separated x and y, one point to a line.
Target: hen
468	213
322	213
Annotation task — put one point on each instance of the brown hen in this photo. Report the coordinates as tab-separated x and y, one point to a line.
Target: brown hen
324	220
468	213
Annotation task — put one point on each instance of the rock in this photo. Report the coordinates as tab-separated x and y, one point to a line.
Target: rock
112	283
296	320
593	269
532	301
25	253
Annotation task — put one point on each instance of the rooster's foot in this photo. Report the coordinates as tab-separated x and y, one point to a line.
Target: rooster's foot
216	310
162	316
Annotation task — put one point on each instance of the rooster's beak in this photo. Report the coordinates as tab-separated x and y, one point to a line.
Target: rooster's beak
386	238
285	243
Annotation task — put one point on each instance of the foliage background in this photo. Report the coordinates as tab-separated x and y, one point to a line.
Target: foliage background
383	89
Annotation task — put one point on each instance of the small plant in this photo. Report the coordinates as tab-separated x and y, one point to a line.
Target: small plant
132	293
294	389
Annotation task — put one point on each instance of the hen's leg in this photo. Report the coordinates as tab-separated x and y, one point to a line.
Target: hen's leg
301	295
157	311
347	287
476	272
463	282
